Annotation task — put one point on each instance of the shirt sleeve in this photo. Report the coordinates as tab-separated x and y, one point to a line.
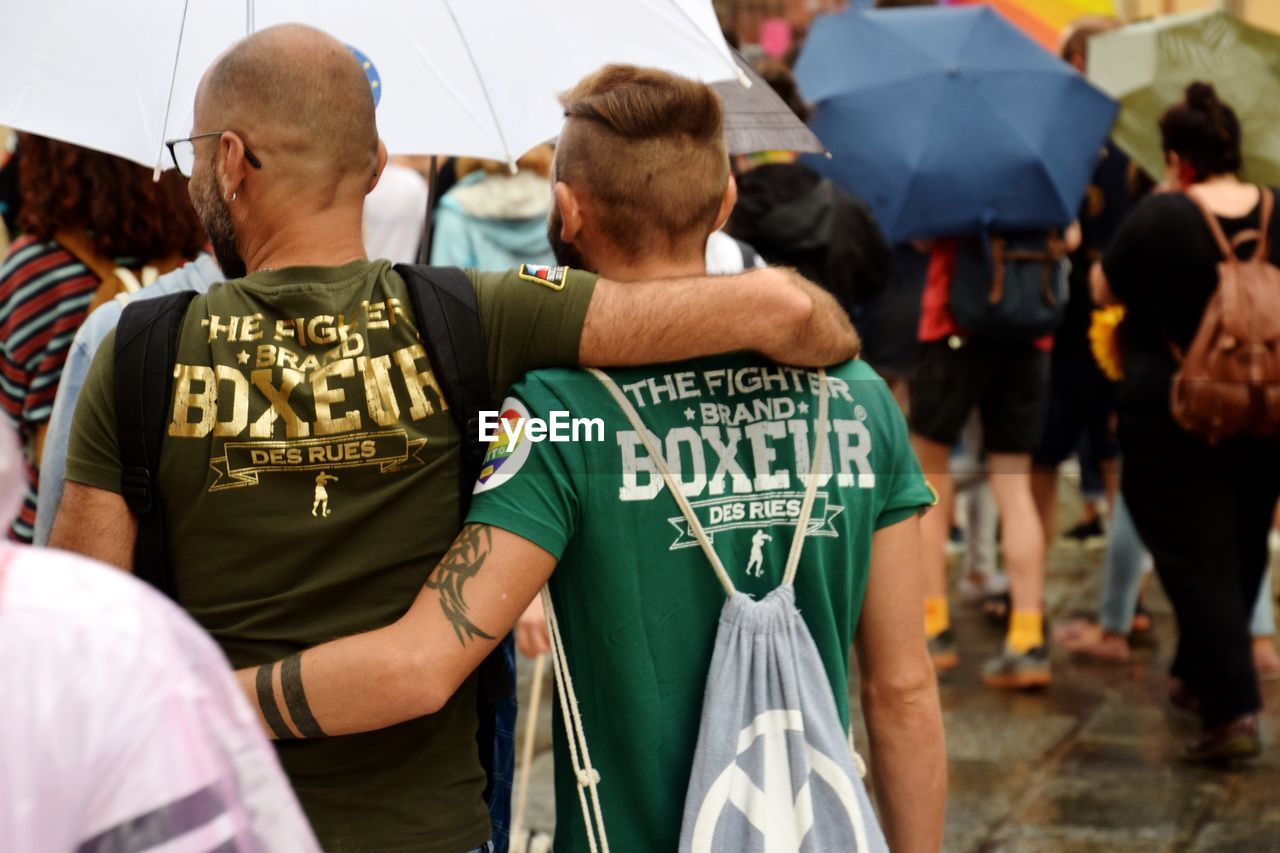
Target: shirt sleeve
907	492
38	300
53	461
527	487
93	452
532	318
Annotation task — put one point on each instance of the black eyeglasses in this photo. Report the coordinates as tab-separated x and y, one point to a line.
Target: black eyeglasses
183	152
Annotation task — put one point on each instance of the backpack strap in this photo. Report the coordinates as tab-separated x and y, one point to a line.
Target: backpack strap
1215	227
80	246
145	352
1262	247
588	778
822	427
444	303
112	279
448	318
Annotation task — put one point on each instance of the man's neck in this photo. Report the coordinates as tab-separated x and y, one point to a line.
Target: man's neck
650	270
325	239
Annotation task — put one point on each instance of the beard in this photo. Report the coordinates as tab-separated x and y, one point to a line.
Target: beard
216	219
567	254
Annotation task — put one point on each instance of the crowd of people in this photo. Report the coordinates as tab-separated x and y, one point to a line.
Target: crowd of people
236	384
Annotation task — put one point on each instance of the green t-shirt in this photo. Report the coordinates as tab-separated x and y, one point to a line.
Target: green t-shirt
310	484
638	602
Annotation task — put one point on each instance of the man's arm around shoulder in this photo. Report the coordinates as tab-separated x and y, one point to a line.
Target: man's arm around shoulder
773	311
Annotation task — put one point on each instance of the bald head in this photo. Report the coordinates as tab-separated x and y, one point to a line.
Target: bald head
300	92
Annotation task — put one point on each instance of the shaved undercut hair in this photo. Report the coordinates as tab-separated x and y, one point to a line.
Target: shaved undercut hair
647	149
299	90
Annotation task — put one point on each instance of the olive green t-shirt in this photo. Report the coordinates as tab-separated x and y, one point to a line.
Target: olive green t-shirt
637	601
309	481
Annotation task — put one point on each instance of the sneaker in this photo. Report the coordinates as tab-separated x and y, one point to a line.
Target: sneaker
1087	533
1013	671
943	651
1238	740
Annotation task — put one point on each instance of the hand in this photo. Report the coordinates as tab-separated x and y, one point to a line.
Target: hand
531	630
817	332
1073	236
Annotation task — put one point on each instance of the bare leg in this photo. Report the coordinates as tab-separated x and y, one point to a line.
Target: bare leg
1044	490
1022	538
935	527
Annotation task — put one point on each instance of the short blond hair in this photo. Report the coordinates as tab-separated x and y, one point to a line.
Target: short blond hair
647	148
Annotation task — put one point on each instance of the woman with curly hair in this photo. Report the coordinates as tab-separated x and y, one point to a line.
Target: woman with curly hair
90	223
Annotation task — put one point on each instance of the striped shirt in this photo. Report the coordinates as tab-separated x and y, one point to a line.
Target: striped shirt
44	297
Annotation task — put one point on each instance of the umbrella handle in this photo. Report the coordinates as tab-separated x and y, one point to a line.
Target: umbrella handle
433	187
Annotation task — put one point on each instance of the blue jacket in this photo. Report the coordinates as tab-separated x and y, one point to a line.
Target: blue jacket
198	276
493	222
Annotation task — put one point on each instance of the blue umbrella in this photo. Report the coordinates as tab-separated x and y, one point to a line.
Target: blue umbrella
950	120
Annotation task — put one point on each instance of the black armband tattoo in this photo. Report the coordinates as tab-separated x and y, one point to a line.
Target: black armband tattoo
458	566
295	698
267	702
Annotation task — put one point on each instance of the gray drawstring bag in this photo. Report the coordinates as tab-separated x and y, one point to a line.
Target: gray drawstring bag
773	770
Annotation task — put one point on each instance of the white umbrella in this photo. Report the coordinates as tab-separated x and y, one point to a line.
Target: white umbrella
456	77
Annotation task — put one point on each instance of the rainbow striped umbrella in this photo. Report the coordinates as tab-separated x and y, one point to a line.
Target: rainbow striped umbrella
1044	20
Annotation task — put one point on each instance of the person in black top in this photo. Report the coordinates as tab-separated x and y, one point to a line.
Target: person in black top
1203	511
1081	397
795	217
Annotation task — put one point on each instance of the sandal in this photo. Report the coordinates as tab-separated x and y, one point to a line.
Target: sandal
1143	621
1266	662
1086	639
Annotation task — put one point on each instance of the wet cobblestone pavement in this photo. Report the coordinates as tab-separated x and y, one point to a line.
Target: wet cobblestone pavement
1086	765
1091	763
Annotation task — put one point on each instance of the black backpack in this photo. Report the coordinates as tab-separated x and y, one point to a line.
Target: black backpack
146	350
1011	287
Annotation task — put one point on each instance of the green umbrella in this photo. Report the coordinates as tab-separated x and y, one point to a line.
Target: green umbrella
1147	66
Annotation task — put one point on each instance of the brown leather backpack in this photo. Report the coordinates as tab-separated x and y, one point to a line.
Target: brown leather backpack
1229	381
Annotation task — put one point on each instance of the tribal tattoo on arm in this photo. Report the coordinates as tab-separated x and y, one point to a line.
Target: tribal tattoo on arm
462	563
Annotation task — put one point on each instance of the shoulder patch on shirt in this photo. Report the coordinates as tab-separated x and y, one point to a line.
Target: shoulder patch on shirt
552	277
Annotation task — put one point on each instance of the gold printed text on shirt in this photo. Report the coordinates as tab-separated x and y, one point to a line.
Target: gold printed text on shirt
349	392
243	462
